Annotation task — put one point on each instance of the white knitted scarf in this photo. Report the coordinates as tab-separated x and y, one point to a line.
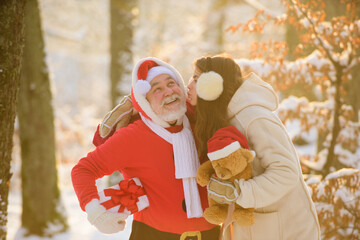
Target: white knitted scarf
186	162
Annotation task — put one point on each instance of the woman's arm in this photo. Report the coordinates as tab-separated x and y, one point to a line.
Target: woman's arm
278	160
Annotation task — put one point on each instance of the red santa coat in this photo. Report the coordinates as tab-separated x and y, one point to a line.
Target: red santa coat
137	151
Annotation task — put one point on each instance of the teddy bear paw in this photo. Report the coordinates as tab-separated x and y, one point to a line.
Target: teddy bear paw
202	180
215	214
244	218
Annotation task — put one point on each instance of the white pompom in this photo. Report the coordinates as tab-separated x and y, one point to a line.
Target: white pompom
142	87
209	86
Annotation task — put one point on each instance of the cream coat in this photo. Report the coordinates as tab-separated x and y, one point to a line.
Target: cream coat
277	191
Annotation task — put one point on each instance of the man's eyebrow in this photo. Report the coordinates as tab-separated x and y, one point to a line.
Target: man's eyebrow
156	83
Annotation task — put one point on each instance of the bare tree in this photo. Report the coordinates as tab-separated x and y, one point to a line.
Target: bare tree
122	18
40	192
213	34
11	49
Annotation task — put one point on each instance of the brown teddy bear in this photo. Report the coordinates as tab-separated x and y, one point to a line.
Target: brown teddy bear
229	159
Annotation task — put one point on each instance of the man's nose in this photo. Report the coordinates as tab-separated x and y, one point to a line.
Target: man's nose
168	91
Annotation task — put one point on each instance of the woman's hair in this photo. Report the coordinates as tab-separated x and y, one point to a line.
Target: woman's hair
212	115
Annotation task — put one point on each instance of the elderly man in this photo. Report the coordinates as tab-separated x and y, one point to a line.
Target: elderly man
159	149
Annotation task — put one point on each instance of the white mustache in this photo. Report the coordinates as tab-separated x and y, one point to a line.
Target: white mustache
170	99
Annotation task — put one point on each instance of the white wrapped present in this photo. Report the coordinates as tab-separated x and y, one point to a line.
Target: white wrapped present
128	196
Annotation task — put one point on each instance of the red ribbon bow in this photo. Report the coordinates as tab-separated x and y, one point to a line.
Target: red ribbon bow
126	197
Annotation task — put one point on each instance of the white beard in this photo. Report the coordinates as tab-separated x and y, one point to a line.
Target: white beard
172	116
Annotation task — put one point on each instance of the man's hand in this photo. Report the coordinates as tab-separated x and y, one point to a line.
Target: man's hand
223	192
105	221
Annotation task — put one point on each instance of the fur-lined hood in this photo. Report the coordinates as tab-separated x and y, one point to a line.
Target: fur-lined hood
252	86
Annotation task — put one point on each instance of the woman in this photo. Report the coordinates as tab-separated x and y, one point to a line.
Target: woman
277	191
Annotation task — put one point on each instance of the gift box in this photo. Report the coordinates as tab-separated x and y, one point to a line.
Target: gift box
128	196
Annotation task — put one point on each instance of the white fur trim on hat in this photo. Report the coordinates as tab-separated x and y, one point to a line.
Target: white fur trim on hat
224	152
156	71
209	86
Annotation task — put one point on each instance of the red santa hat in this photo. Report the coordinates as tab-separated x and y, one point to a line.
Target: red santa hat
144	71
226	141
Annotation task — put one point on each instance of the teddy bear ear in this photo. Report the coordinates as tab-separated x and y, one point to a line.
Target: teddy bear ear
250	159
249	155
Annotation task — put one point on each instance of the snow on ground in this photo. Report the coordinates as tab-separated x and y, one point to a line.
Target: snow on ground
79	228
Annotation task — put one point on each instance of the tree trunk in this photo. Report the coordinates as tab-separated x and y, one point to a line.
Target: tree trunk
353	86
331	160
335	8
11	49
121	38
213	35
40	193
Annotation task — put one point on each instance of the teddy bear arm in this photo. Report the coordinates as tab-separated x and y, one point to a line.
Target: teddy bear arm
204	173
216	213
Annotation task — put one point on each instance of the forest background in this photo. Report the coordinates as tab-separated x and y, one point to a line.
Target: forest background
65	64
